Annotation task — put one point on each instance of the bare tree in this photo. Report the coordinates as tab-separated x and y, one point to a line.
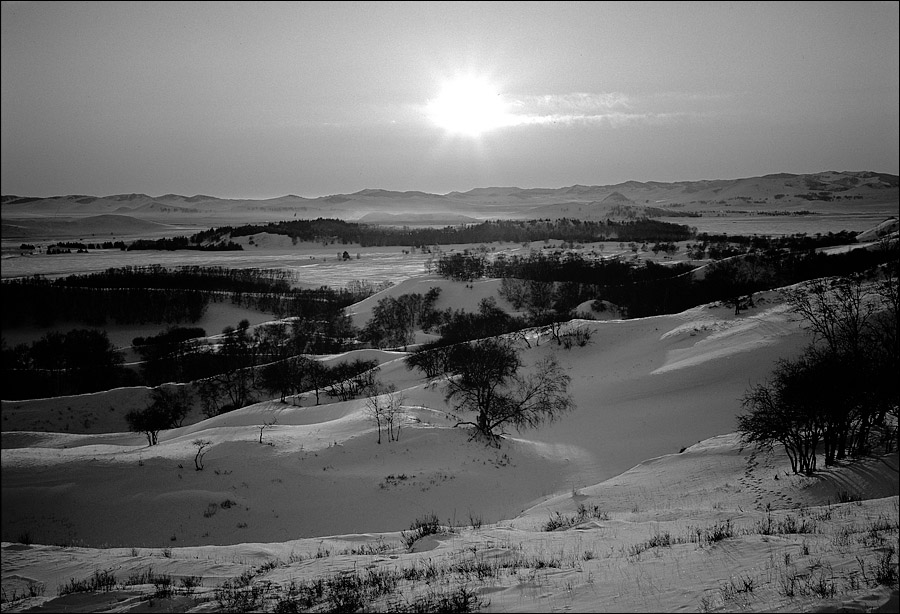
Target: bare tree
264	426
485	379
385	407
838	392
837	310
787	410
210	392
167	410
432	360
854	322
350	379
318	376
202	448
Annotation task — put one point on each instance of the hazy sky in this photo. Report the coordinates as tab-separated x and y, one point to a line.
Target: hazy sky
255	99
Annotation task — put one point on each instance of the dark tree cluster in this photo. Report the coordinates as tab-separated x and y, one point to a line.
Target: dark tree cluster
395	319
76	362
482	380
462	266
842	390
161	295
322	304
648	288
793	243
329	231
169	337
167	410
41	302
489	321
552	284
108	245
348	380
184	277
177	354
183	243
246	373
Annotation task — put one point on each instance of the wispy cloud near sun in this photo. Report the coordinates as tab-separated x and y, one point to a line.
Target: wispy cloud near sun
612	109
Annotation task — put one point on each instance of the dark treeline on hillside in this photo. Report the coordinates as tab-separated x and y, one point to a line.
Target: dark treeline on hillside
839	396
175	243
796	242
334	230
38	301
184	277
561	281
77	362
155	294
230	370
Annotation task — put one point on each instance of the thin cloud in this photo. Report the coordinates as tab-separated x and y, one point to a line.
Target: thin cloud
575	102
594	109
617	119
611	109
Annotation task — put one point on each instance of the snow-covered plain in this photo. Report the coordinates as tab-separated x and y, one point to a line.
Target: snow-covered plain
319	497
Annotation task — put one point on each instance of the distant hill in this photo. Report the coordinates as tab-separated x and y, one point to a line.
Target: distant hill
782	192
98	227
377	217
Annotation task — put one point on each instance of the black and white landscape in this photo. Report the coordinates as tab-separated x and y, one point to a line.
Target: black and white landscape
660	375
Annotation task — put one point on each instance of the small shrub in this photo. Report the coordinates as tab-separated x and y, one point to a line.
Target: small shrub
139	577
558	522
345	593
421	527
715	533
819	585
787	582
583	513
234	598
885	569
593	511
660	540
580	337
790	525
475	521
101	581
35	589
268	566
164	586
461	599
368	549
189	583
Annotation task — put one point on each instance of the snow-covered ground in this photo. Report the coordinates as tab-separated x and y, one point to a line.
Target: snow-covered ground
320	497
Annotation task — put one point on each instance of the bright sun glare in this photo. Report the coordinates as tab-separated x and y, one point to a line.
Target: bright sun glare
468	106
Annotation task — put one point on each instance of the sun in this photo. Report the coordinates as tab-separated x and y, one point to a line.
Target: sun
468	106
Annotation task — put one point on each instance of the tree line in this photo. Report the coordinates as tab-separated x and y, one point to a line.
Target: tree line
77	362
839	398
517	231
558	281
157	294
247	365
177	243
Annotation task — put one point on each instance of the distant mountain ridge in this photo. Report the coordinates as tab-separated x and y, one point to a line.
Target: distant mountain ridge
98	226
627	199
